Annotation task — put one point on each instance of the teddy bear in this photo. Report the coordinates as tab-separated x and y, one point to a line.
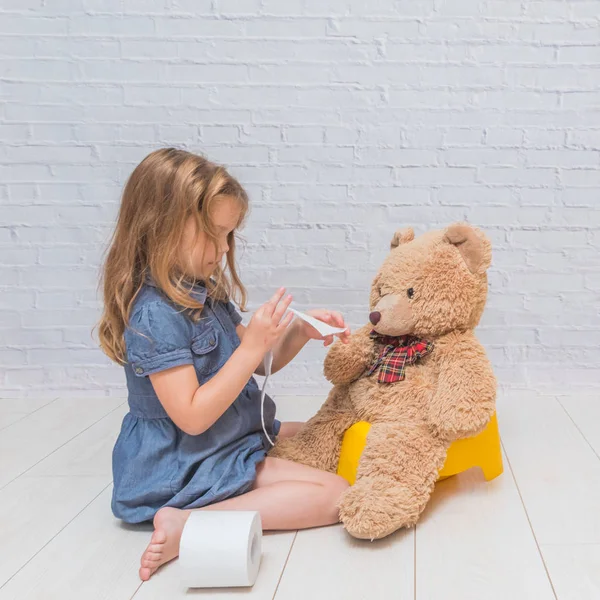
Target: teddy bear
416	372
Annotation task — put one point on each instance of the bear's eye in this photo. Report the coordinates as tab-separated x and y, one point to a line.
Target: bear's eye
410	292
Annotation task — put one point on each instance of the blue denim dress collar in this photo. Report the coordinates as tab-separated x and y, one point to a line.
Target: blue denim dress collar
198	291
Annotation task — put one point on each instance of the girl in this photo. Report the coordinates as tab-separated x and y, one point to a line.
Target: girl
193	437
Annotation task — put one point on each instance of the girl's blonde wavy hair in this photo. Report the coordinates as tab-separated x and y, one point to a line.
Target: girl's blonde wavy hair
164	190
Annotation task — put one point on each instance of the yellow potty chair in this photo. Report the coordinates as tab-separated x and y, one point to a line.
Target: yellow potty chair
482	450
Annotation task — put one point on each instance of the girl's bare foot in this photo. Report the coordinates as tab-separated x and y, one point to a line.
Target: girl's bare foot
164	545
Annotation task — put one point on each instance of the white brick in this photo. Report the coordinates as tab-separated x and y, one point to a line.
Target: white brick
562	158
71	356
481	156
182	26
49	300
589	138
303	135
568	337
125	25
219	134
158	49
497	136
59	154
579	55
68	255
512	54
547	8
475	195
12	256
257	134
517	176
538	197
15	300
238	155
11	358
580	197
30	26
578	100
544	138
349	27
466	136
501	216
581	177
400	157
50	278
27	338
517	100
303	237
549	239
141	95
435	176
395	195
26	377
428	98
278	74
14	132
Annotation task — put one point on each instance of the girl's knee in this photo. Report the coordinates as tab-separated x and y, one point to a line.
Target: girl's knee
335	487
339	485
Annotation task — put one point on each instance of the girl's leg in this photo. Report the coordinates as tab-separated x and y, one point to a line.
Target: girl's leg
290	429
287	495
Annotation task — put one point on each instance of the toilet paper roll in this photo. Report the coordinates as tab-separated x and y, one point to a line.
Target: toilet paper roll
220	549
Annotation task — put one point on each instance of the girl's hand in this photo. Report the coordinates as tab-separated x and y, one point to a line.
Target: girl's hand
266	325
330	317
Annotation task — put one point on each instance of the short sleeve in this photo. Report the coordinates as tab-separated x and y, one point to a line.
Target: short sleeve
158	338
233	313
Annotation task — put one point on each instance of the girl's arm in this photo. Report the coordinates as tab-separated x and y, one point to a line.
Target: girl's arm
296	337
193	407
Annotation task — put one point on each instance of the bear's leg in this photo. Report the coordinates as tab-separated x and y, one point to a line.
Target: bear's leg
396	475
318	442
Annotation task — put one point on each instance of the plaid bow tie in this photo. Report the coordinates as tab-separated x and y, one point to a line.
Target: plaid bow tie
396	354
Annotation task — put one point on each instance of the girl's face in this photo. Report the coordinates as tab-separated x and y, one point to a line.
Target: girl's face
198	256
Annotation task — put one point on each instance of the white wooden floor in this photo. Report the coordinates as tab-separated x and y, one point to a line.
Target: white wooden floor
533	533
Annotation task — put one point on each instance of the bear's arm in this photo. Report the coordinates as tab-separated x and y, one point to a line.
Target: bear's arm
345	363
465	398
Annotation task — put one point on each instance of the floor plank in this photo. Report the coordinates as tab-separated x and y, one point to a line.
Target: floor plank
474	541
34	510
167	583
87	454
29	440
9	418
557	472
328	563
574	570
585	412
94	557
15	409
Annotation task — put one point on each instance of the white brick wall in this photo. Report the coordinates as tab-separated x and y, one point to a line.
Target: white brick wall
345	119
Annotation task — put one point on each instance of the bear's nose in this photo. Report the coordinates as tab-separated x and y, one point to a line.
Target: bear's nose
375	317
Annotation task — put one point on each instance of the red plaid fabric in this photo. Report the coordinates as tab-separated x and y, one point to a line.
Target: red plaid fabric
396	353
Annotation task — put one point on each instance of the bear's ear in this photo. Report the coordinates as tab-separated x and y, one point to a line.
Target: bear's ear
402	236
473	245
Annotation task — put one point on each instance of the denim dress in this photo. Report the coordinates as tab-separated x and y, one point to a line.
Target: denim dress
156	464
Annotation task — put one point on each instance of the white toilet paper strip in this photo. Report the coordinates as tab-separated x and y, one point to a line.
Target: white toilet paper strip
323	328
220	549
